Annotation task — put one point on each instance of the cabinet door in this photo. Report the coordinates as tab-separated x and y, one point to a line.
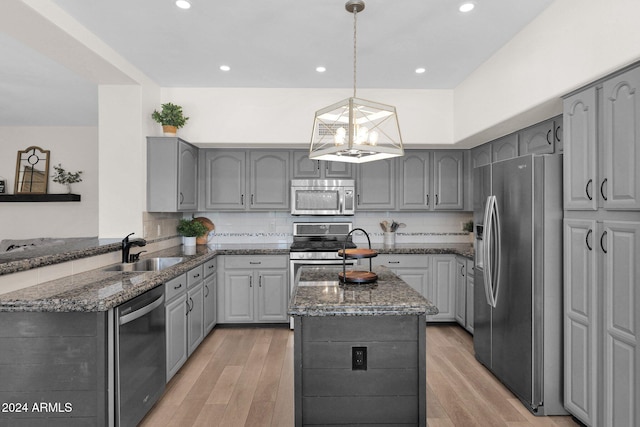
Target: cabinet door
620	180
414	183
337	169
238	296
375	185
225	176
187	176
579	160
470	290
504	148
417	278
448	191
620	244
195	317
580	319
481	155
210	292
442	287
269	180
304	167
461	293
537	139
176	334
272	295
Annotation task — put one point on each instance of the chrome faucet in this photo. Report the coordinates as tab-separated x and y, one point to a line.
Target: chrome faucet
126	246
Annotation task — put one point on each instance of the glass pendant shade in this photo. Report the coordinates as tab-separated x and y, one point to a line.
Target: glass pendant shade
356	131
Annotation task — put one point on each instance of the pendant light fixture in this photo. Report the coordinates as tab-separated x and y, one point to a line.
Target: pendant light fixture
355	130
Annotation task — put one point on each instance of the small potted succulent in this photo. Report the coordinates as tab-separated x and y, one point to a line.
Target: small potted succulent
170	117
191	229
67	178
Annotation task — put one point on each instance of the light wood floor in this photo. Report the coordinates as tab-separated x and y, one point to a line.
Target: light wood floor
244	377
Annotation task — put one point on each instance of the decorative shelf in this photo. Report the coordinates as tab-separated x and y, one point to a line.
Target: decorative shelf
40	198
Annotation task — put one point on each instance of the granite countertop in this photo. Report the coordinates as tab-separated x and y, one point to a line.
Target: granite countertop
99	290
319	293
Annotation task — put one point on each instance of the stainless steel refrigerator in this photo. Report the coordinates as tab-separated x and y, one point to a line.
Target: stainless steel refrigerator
518	277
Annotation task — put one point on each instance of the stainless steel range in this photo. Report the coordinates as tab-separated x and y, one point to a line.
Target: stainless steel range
317	243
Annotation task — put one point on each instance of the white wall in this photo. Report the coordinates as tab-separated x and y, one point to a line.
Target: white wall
255	116
76	148
571	43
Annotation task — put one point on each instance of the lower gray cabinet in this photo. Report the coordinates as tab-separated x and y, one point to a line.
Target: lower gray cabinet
470	290
442	288
412	269
253	289
210	288
176	323
461	292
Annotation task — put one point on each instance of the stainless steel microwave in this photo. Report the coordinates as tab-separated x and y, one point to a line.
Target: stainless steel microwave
322	197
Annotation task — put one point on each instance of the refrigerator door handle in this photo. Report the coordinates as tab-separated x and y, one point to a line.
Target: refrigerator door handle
487	251
498	253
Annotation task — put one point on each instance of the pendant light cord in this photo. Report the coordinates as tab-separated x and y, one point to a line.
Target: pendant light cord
355	19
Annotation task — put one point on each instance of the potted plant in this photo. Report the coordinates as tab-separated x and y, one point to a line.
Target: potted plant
67	178
170	117
191	229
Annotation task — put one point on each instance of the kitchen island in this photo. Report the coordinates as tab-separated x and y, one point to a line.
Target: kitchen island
359	350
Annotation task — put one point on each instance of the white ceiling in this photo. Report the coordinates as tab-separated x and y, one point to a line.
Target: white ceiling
267	43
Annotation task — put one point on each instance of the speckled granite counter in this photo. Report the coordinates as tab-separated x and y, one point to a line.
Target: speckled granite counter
99	290
318	293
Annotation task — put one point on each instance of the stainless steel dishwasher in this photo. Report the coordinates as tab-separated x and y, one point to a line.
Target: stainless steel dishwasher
139	356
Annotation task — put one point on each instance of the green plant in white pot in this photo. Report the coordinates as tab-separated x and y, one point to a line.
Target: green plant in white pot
170	117
67	178
190	230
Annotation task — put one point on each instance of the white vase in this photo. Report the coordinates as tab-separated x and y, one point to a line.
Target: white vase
188	241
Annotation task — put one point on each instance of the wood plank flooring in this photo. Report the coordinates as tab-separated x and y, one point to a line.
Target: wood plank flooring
244	377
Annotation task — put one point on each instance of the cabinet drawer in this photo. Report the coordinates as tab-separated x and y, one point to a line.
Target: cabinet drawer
403	261
210	267
195	276
255	262
175	287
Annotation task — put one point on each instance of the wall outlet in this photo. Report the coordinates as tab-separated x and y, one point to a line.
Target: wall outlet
358	358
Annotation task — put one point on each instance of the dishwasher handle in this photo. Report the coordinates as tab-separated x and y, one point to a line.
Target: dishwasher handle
130	317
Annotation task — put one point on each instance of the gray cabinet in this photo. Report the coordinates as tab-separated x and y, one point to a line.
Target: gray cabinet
431	180
172	175
481	155
448	180
375	185
504	148
195	309
470	290
241	180
412	269
176	307
540	138
461	292
253	289
442	288
602	169
210	291
305	168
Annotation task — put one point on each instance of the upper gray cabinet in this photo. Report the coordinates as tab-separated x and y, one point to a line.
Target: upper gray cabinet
602	151
540	138
172	175
431	180
241	180
305	168
414	181
504	148
375	185
481	155
448	180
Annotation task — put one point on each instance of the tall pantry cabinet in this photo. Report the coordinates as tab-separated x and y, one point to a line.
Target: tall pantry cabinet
602	251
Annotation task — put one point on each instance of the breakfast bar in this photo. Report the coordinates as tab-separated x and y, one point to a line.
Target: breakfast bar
359	350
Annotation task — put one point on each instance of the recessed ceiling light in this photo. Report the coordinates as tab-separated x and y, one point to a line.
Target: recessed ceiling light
225	67
321	69
183	4
420	70
467	7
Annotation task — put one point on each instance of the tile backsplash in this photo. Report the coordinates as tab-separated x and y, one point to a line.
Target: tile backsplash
277	227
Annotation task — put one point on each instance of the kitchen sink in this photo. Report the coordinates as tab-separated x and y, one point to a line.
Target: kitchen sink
147	264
